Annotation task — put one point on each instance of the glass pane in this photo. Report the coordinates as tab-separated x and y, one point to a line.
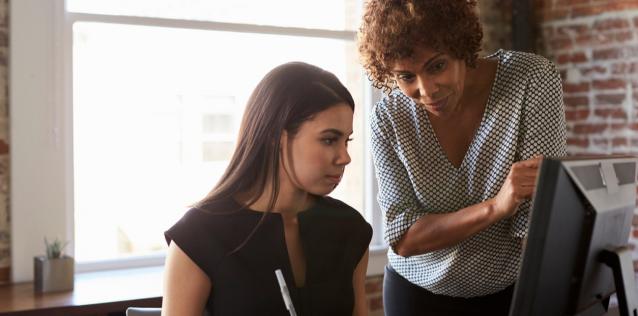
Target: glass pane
325	14
156	116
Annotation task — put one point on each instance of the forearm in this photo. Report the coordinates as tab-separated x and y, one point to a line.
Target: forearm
437	231
359	286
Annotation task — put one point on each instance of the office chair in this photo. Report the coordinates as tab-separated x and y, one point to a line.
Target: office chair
143	311
148	311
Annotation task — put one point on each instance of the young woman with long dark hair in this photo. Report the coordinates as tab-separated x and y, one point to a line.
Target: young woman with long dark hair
269	211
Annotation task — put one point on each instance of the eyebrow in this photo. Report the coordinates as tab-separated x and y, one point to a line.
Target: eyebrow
425	65
334	131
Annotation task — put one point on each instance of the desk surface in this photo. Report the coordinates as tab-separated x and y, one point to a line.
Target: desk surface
94	293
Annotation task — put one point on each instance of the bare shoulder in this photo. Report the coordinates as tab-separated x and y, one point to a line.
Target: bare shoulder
186	286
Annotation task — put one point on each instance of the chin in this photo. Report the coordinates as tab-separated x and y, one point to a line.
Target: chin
322	191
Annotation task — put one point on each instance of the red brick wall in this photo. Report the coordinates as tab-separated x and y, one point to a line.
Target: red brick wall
595	45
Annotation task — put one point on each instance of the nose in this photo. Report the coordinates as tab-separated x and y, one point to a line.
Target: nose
343	157
426	87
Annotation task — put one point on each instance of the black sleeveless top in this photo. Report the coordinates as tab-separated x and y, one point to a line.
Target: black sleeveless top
334	238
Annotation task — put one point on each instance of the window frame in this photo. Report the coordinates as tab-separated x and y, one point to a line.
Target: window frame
41	129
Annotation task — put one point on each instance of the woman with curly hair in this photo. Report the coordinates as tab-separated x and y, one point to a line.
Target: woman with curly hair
457	142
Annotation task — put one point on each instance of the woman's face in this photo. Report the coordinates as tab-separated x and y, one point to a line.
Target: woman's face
434	80
314	159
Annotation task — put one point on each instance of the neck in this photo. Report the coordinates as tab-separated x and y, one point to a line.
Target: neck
479	79
290	200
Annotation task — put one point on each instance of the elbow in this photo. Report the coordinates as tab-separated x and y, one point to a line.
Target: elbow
403	252
403	249
406	248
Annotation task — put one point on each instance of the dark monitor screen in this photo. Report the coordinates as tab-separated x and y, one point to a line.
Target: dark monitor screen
582	207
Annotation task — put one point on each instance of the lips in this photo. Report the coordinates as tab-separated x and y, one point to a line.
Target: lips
438	105
334	178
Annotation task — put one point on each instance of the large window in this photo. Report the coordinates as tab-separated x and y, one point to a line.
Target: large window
148	99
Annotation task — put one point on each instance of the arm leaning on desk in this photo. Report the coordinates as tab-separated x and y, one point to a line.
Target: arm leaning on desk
96	293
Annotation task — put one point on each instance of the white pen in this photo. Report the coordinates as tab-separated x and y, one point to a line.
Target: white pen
284	292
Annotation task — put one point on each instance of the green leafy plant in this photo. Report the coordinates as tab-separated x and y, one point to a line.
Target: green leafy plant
55	248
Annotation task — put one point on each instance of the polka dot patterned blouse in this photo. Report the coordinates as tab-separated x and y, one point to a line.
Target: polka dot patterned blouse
524	117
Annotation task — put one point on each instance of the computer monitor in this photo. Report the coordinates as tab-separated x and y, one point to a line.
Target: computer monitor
576	254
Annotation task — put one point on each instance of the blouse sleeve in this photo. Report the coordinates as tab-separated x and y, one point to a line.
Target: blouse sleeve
193	235
543	128
396	194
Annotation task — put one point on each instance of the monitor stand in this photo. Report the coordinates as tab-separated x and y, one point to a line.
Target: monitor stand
621	263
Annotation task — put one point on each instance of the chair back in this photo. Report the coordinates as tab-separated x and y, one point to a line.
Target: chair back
148	311
143	311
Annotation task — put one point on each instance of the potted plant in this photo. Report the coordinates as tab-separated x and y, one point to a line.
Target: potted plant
55	271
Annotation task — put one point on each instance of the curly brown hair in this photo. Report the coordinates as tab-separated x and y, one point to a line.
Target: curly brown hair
392	29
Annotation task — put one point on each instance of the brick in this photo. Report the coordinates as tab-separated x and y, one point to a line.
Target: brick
623	127
554	14
611	24
610	99
539	5
609	84
620	5
575	58
609	53
601	142
578	142
587	11
586	129
5	275
575	87
560	43
611	113
600	70
572	30
603	38
634	220
576	101
619	141
374	286
585	40
602	7
571	2
622	37
624	68
4	147
576	115
375	304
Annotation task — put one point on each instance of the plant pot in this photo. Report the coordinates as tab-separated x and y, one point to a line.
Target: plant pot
51	275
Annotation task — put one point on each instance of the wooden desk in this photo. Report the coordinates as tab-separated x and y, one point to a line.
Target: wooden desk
95	293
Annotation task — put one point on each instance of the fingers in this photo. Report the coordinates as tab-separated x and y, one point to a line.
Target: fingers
532	162
523	176
521	182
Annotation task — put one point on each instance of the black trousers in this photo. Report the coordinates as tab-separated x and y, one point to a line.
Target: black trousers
402	298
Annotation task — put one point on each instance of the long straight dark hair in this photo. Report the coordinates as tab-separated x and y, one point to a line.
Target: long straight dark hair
287	96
